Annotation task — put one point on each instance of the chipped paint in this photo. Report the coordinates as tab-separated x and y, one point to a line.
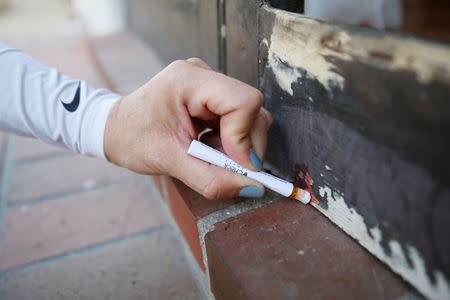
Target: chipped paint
288	56
328	168
305	44
223	31
304	181
353	224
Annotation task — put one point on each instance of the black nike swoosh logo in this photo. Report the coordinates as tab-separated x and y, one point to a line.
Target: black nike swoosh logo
72	106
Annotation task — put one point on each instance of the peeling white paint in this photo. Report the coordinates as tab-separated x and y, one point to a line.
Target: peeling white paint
286	54
223	31
308	44
353	224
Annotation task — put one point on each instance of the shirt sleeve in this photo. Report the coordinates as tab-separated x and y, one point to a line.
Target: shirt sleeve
38	101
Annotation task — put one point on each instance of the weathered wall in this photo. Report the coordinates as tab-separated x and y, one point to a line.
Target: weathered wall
363	117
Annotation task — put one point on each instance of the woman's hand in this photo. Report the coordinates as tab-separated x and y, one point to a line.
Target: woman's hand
149	131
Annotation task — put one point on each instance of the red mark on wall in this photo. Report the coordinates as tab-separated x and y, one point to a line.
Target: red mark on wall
303	180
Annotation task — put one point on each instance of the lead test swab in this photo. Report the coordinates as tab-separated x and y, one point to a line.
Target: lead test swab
217	158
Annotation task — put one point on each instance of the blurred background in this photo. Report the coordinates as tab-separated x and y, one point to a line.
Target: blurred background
78	227
47	17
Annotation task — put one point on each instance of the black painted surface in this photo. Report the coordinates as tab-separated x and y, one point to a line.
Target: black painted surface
297	6
385	139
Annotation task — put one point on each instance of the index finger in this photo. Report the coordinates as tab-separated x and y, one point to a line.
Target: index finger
237	104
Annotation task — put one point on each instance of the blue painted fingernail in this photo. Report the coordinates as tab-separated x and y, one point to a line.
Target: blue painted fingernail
251	192
255	160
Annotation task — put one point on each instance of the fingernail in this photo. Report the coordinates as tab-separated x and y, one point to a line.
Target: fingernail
251	192
255	160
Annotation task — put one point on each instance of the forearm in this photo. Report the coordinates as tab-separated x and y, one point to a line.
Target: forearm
32	103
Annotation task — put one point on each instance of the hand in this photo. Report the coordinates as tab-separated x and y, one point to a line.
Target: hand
150	130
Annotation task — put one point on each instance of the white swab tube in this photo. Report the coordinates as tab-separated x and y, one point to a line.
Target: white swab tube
217	158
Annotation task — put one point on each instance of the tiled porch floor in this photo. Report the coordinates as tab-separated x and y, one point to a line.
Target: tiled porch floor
77	227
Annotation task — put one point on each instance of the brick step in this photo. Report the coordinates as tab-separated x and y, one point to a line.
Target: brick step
275	248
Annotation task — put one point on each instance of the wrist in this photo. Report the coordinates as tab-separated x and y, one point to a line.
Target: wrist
110	144
93	122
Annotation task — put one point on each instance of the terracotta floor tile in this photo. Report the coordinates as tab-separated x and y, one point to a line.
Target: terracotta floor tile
151	266
31	148
53	227
61	174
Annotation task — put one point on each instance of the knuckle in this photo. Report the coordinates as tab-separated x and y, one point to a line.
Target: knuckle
253	101
257	97
212	189
177	64
267	117
196	60
174	73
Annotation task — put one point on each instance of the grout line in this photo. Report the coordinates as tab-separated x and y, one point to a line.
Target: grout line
57	196
200	278
5	175
207	223
82	251
72	192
